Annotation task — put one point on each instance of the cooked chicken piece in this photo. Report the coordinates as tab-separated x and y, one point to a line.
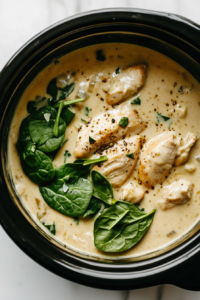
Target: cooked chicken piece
126	84
184	149
133	192
118	168
104	129
179	192
157	159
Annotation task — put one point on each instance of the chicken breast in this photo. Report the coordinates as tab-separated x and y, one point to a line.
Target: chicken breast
157	159
118	168
126	84
132	192
104	129
184	148
179	192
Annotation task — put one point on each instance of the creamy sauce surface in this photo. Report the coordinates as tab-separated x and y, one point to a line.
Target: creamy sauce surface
159	94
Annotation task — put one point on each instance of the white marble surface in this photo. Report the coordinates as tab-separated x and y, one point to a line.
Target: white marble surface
20	277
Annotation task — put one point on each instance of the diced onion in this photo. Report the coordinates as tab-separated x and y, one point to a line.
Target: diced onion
47	117
190	168
63	80
82	94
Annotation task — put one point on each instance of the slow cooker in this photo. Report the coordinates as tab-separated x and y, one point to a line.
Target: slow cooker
172	35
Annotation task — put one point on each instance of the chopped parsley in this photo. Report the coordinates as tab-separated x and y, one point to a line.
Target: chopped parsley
91	140
117	71
123	122
161	118
66	154
180	89
83	120
87	110
100	55
136	101
51	228
131	155
76	220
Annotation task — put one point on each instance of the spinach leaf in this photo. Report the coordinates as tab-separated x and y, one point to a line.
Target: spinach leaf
72	171
161	118
66	154
100	55
51	228
131	155
33	106
40	169
123	122
117	71
36	129
67	115
93	207
102	188
120	227
53	154
68	89
91	140
71	199
136	101
52	89
95	160
87	111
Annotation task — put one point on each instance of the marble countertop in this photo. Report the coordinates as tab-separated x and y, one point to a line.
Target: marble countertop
20	277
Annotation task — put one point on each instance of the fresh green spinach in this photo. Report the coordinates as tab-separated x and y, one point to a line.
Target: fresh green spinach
39	168
120	227
93	207
56	124
102	188
52	89
69	102
33	106
95	160
67	115
71	199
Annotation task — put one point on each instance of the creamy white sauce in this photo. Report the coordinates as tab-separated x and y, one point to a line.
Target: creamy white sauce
159	94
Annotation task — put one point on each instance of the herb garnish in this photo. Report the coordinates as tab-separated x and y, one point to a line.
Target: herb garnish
100	55
131	155
180	89
83	120
91	140
136	101
76	220
51	228
123	122
66	154
87	110
161	117
117	71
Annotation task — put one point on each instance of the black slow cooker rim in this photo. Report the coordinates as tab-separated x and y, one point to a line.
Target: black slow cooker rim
177	25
